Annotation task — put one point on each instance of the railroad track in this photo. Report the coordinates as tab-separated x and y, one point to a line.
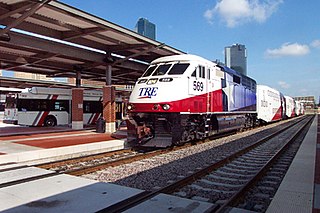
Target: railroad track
88	164
259	197
226	182
83	165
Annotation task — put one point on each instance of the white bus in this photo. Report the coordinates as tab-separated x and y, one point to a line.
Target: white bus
40	106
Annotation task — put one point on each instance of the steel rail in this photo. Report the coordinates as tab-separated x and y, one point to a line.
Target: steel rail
28	179
81	159
116	162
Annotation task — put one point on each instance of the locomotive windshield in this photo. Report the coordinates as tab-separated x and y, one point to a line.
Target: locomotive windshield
161	70
149	71
176	69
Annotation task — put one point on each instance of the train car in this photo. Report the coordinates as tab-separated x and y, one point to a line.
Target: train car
185	97
299	108
302	109
270	104
290	107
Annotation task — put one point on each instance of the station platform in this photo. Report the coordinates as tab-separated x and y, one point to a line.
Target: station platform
299	191
66	193
43	144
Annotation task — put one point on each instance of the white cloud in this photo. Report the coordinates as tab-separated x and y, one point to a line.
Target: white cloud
284	85
288	49
315	44
235	12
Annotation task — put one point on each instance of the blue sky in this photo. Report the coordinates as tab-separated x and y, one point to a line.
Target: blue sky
282	36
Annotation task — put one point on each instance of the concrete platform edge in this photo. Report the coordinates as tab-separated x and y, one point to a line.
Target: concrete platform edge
52	154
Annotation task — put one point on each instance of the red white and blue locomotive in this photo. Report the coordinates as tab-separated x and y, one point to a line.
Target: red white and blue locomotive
185	97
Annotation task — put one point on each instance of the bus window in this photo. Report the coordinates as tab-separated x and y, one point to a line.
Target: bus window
92	107
25	104
43	105
61	106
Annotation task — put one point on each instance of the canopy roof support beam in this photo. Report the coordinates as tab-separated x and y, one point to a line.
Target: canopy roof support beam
23	17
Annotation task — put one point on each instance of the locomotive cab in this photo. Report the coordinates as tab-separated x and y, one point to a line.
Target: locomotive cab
154	103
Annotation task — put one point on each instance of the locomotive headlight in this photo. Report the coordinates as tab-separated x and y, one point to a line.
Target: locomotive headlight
166	107
130	107
155	107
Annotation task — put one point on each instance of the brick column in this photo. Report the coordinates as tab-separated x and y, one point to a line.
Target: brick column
109	111
77	108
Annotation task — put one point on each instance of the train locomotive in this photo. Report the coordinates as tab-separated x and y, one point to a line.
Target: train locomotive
185	97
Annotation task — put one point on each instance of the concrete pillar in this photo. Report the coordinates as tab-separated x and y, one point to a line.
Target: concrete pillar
109	110
77	108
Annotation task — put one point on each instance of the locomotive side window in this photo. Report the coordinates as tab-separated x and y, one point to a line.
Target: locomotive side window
223	83
178	69
236	79
201	72
149	71
208	73
161	70
194	73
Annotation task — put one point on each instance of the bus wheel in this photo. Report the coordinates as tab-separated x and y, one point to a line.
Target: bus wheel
50	121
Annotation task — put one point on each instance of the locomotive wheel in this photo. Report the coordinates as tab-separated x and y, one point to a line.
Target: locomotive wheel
187	136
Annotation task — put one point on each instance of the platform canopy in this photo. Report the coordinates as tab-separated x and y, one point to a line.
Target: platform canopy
51	38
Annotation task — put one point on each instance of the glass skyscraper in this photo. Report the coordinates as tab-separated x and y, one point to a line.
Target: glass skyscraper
236	58
146	28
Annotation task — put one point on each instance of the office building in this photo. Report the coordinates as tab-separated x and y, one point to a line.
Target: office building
146	28
32	76
308	101
236	58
